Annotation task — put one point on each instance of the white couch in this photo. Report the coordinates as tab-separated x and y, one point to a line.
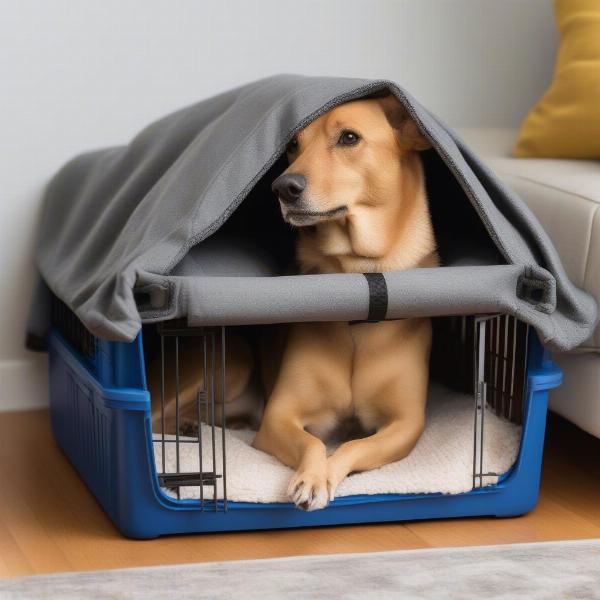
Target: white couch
565	197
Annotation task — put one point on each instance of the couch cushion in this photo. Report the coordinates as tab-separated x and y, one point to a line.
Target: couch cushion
578	398
565	197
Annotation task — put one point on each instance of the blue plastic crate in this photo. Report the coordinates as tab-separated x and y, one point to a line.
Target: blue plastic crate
100	412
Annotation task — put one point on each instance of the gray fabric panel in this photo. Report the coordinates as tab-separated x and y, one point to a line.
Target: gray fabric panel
345	297
177	182
571	301
115	220
258	300
228	257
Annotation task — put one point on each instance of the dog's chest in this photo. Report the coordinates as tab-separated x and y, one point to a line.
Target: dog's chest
359	409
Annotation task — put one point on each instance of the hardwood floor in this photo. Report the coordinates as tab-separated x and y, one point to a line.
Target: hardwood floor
50	522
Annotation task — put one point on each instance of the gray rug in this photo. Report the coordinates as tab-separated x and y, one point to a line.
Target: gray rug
527	571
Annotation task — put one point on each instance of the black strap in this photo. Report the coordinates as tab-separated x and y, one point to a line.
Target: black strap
378	297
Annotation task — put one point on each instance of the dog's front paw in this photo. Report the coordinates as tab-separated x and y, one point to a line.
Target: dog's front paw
308	490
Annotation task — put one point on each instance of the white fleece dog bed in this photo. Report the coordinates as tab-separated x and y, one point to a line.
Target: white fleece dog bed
442	460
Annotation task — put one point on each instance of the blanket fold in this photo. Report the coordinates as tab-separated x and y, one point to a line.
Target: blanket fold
118	224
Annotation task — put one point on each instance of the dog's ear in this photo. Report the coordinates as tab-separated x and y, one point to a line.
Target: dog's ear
408	134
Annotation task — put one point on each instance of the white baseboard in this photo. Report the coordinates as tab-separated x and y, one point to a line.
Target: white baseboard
24	383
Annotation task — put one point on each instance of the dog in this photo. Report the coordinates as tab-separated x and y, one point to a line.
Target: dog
355	190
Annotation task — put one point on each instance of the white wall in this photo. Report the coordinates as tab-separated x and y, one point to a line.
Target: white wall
76	75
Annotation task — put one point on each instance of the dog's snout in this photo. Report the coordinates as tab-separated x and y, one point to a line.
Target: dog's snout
289	186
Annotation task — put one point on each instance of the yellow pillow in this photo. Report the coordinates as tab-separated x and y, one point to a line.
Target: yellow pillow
565	123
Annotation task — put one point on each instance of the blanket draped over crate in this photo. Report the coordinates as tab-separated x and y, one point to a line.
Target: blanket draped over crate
181	223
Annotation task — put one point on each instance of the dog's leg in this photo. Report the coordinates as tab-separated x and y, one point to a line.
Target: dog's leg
295	447
392	442
390	382
312	387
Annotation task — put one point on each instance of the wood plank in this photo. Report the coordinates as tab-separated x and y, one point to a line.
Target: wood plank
549	521
572	469
13	561
32	536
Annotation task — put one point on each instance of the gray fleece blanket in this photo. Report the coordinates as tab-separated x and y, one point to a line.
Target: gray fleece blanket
181	223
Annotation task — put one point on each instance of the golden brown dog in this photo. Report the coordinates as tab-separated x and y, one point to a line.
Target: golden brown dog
355	189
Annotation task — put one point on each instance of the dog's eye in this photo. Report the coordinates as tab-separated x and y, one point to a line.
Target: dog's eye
348	138
292	147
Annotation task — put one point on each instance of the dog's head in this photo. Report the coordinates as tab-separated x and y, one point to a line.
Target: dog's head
348	162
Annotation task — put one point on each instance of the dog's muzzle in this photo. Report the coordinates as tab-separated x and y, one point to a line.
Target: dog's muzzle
290	189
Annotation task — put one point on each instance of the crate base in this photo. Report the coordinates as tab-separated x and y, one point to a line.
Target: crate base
106	434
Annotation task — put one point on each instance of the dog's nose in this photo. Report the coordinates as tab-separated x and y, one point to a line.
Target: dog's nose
289	186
